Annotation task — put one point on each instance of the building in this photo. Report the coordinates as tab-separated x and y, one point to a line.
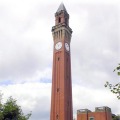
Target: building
100	113
61	98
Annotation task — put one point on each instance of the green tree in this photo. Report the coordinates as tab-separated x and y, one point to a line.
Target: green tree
10	110
116	117
115	88
1	106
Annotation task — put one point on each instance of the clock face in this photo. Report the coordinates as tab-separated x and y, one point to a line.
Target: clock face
58	45
67	46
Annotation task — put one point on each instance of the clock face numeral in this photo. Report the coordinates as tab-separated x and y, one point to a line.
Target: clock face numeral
58	46
67	46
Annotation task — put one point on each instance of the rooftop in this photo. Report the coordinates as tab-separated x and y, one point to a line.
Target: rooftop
61	7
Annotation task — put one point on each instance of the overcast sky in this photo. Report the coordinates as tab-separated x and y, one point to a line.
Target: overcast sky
26	53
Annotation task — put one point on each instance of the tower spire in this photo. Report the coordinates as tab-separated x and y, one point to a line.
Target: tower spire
61	7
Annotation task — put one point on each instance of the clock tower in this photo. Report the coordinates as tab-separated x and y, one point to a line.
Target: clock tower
61	98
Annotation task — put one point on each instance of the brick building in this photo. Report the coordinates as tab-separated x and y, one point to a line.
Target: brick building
100	113
61	97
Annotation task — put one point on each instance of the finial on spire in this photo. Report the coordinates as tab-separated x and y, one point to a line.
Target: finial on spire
61	7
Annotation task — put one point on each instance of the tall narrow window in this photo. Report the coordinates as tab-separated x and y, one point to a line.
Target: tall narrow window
59	20
58	58
58	89
57	116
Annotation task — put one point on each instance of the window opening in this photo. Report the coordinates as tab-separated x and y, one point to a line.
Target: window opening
59	20
58	58
57	116
58	89
91	118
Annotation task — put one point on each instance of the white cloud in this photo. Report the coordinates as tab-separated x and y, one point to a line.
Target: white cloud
26	45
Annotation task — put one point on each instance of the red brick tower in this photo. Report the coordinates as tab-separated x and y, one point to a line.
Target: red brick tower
61	99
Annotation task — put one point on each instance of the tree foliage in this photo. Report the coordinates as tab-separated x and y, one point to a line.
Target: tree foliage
116	117
11	111
115	88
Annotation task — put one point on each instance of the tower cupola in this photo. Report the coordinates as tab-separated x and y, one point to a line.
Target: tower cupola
61	8
62	17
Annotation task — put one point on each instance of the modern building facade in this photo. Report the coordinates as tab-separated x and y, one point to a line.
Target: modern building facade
61	98
100	113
